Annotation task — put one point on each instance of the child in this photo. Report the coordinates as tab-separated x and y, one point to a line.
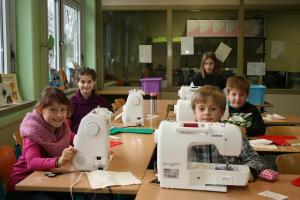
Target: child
209	72
209	104
46	139
86	99
241	112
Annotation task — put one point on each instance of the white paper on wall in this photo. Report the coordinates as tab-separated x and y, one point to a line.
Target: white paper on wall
277	49
222	51
256	68
145	53
231	27
187	46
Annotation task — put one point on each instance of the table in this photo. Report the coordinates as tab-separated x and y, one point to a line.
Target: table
149	191
290	120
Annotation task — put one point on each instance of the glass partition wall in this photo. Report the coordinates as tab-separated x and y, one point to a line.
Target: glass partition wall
269	53
124	32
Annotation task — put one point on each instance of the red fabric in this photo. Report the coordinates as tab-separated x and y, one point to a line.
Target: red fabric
114	143
279	140
296	182
269	175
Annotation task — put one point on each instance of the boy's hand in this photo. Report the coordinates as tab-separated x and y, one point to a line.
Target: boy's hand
243	129
66	155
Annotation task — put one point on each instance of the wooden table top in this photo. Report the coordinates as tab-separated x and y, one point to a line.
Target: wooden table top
150	191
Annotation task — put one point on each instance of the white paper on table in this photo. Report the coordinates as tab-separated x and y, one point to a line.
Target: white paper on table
256	68
273	195
145	53
222	51
273	116
264	146
187	46
277	49
101	179
261	142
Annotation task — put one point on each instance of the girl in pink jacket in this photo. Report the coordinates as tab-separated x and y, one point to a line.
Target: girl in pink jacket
47	140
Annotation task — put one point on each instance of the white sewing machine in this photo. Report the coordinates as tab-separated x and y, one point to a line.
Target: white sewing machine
183	110
183	107
133	110
92	141
187	92
175	170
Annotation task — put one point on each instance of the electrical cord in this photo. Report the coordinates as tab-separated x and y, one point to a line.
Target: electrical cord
73	184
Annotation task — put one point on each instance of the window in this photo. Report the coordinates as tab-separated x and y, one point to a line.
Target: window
278	48
64	40
7	36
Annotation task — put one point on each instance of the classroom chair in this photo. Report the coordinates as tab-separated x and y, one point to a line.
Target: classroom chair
119	102
288	163
18	143
7	161
283	130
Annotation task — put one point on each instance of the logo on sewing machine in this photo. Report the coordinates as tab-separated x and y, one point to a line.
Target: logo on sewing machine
171	164
216	135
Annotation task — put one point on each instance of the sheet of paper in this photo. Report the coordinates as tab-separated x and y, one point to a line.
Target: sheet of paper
277	49
206	27
218	27
223	51
273	195
187	46
256	68
264	146
193	28
145	53
101	179
231	27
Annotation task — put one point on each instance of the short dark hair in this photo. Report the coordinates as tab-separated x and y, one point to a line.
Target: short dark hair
86	71
239	83
206	91
51	95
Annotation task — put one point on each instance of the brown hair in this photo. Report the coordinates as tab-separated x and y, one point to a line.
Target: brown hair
86	71
204	92
239	83
51	95
206	56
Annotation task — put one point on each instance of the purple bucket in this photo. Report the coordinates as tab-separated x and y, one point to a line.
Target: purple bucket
150	85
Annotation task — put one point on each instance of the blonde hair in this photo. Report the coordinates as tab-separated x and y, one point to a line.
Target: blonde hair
239	83
203	93
206	56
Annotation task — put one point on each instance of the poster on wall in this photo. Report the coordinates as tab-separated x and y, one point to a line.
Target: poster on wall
11	80
5	95
145	53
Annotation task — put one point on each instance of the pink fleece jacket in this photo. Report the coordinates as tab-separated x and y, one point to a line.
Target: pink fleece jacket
33	158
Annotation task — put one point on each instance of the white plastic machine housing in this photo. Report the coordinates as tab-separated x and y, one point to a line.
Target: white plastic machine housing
183	110
92	141
187	92
133	110
175	170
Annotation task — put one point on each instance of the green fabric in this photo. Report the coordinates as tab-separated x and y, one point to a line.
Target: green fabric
116	130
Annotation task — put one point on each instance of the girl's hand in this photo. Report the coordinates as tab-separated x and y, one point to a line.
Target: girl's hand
66	155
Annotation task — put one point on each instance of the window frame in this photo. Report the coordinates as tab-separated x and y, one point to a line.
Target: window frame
9	36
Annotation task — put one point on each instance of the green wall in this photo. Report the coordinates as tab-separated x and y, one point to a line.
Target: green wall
89	34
